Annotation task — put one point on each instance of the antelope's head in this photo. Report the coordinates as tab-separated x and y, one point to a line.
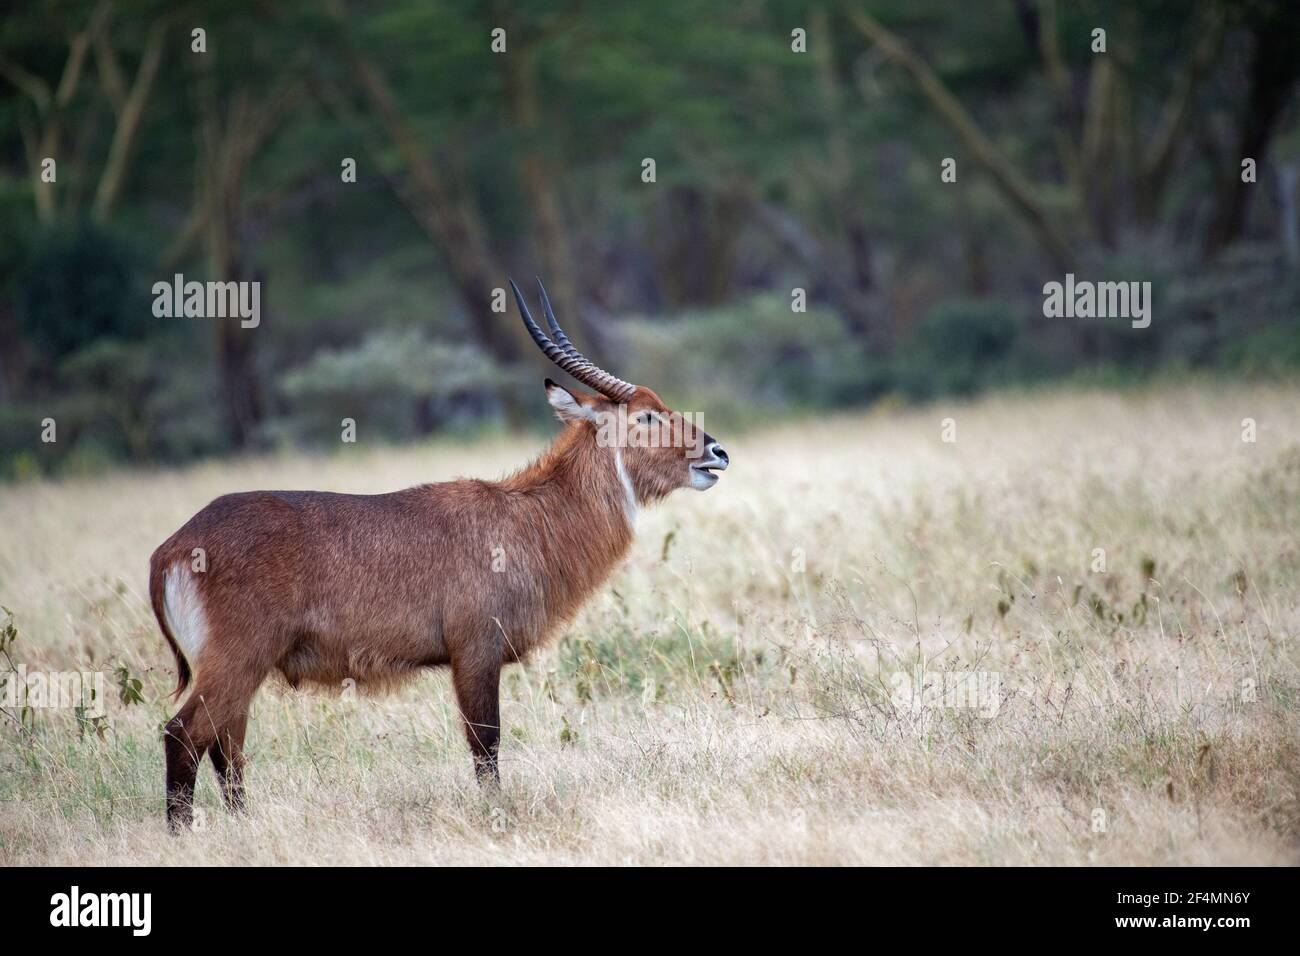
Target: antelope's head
655	448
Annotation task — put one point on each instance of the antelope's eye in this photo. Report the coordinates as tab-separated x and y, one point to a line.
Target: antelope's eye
645	418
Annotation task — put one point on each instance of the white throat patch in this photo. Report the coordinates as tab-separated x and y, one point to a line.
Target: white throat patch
630	507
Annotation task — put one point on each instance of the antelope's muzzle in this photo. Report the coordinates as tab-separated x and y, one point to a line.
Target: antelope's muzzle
704	473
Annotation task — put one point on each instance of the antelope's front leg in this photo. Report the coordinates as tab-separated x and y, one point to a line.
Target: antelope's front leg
476	674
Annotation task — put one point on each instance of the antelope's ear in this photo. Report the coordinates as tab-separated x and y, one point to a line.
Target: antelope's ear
568	407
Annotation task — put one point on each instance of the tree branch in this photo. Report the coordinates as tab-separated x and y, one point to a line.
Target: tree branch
128	125
1158	161
1047	40
110	72
1014	188
28	82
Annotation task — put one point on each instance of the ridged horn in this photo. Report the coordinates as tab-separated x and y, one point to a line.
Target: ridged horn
560	350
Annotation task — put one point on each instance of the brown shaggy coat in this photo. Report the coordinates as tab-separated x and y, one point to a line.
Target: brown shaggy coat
327	588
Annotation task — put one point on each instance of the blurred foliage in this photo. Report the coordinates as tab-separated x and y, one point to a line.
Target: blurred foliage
399	382
959	347
775	170
58	313
739	361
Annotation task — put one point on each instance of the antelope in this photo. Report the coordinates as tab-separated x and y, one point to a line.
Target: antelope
323	588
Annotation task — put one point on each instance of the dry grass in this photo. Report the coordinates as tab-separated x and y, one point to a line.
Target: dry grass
716	704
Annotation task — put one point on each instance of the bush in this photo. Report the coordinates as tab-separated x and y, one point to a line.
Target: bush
1272	350
741	359
397	381
960	346
81	284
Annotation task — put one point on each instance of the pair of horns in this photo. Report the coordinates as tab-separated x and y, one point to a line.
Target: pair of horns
560	350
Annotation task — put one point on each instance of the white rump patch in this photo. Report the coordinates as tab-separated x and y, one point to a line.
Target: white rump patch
630	507
183	608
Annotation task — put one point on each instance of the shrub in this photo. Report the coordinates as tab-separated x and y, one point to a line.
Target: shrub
81	283
738	360
399	381
958	347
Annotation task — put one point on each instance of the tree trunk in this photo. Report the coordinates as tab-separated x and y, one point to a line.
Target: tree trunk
1039	22
1288	175
230	137
241	391
1273	73
128	125
696	248
1158	163
851	277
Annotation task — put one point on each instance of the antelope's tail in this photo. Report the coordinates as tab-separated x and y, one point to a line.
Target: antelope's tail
158	598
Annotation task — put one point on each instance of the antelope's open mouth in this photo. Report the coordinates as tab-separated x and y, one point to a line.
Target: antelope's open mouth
704	474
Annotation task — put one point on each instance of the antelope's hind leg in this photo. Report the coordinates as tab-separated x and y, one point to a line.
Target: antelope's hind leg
183	747
213	720
227	754
477	679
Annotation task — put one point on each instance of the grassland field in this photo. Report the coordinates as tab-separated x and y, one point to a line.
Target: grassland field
745	688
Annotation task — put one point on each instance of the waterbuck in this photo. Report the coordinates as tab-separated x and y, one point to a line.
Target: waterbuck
324	588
